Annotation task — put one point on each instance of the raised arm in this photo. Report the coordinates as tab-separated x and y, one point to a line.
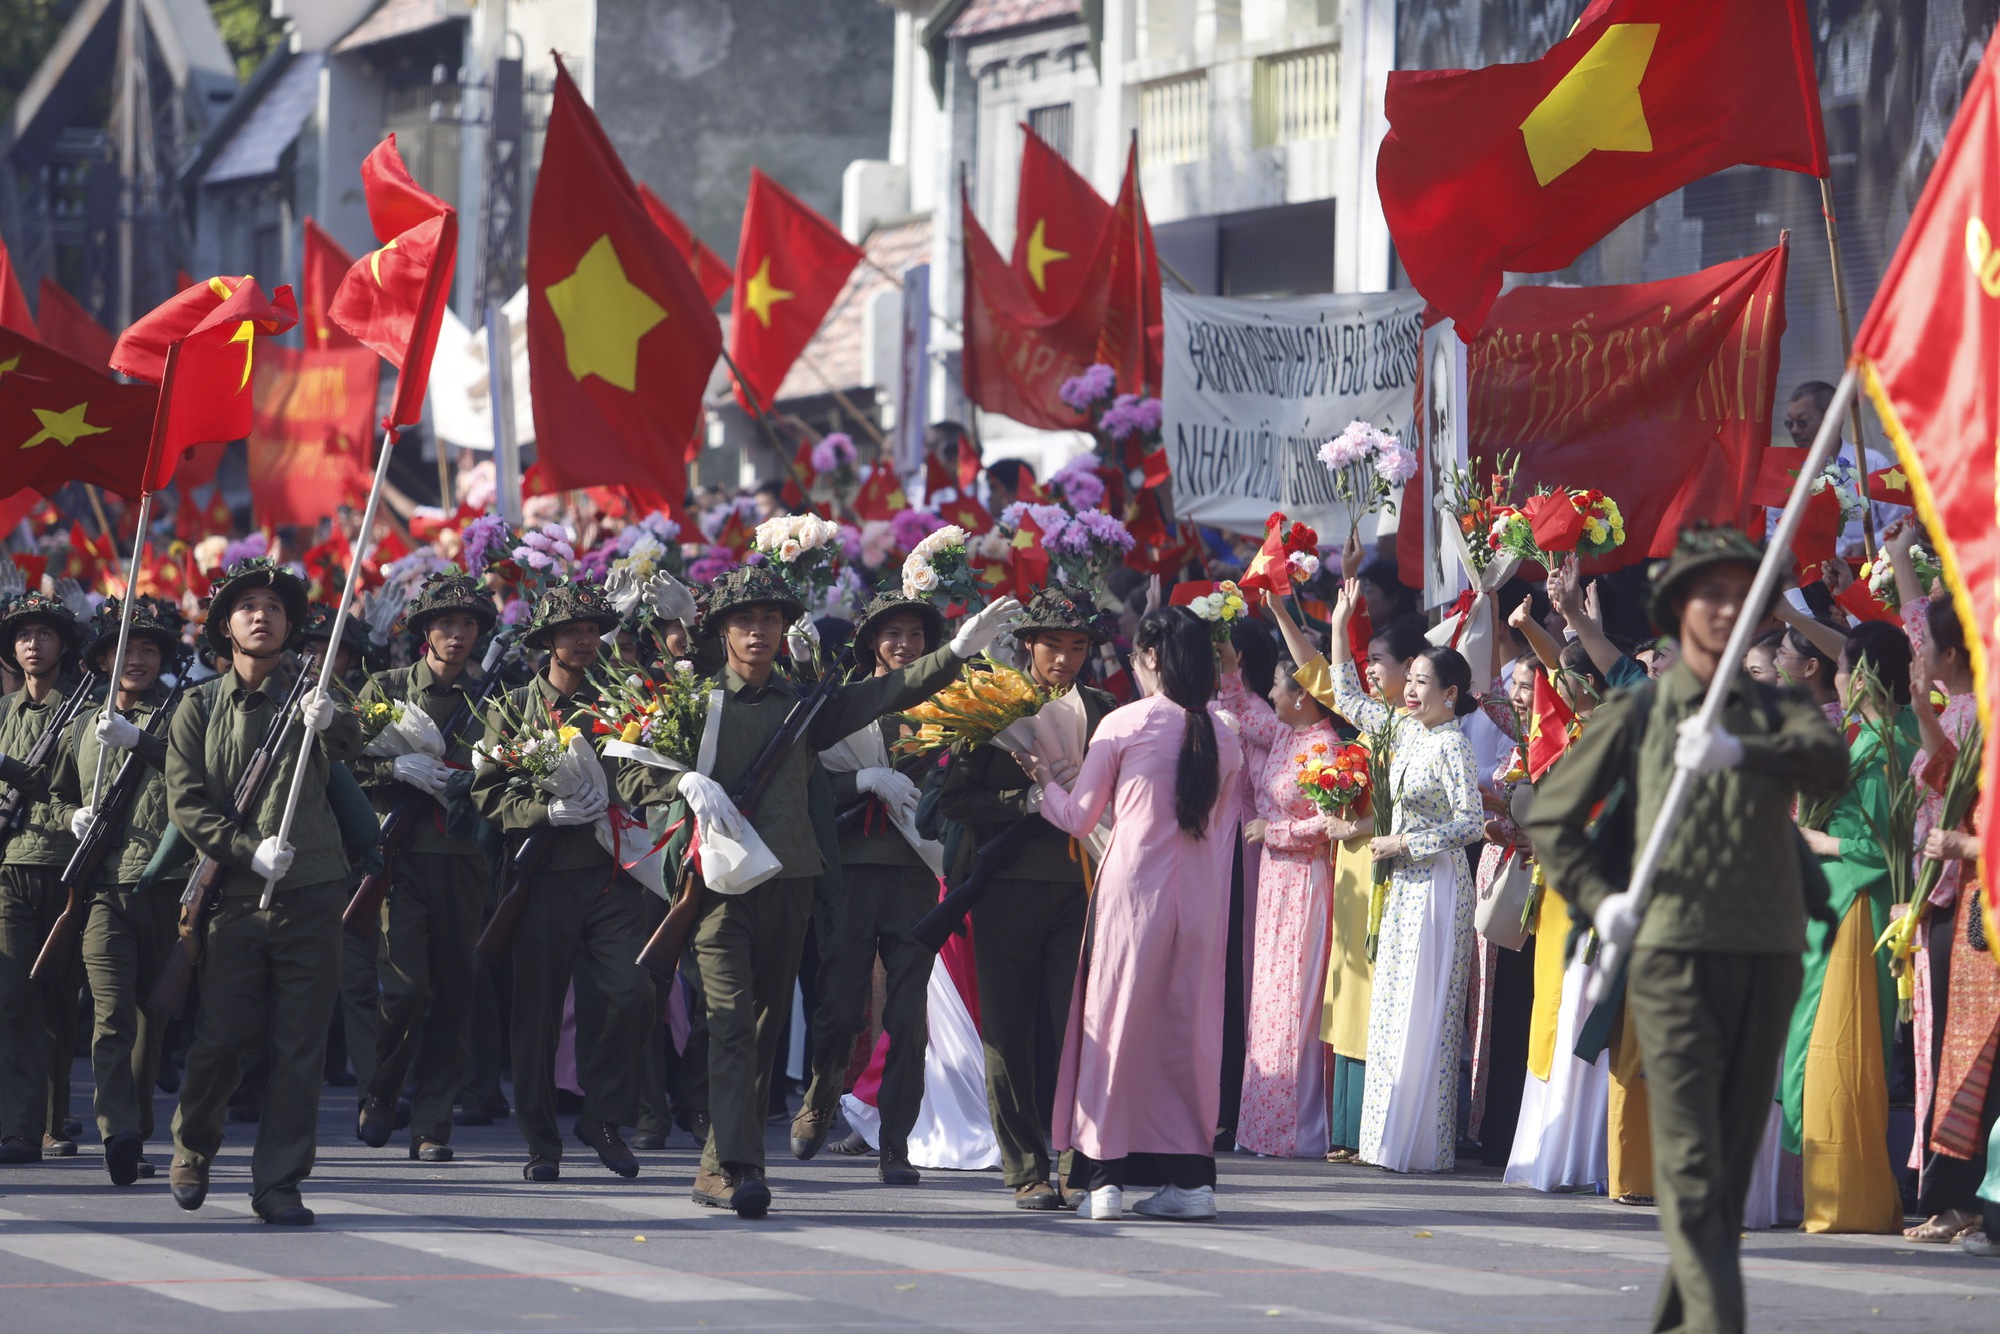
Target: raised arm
1077	812
1565	588
1256	720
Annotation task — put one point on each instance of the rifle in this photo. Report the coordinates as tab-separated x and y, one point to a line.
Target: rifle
942	922
14	806
848	816
204	886
662	951
97	842
366	905
526	863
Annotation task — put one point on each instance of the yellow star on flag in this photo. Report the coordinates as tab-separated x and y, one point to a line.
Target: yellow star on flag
603	317
1596	106
375	259
9	364
1041	254
760	293
246	334
1893	479
65	428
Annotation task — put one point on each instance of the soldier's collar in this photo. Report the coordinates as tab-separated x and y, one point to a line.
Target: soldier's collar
738	685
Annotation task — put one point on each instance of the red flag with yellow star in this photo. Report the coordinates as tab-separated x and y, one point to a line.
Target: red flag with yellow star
393	299
1548	727
200	346
1058	219
790	265
78	429
710	269
14	312
68	326
30	356
1926	354
324	264
881	496
620	338
1523	167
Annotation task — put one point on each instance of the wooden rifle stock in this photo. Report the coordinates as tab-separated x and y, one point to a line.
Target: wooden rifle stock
14	806
942	922
664	948
95	846
526	865
365	908
170	990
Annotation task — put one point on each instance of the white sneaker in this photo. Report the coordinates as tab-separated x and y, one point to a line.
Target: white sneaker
1179	1203
1106	1204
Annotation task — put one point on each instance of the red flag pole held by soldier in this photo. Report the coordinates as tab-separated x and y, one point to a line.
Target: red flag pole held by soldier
1776	564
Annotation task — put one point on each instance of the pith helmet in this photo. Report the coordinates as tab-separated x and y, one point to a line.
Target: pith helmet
450	591
568	603
152	618
748	586
1699	547
879	609
1060	609
241	578
28	609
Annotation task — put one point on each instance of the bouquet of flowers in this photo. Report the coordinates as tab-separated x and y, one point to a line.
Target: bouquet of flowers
539	750
1881	575
1127	426
939	570
1222	609
1369	467
1082	547
374	716
1474	505
984	702
1556	521
1377	741
803	548
666	716
833	464
1334	778
1078	483
390	728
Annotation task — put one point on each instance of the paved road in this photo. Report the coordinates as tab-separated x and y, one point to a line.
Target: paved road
470	1246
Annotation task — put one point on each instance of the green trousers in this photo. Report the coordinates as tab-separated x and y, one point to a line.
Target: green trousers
746	948
269	982
875	914
1711	1029
37	1019
360	1013
655	1116
429	922
576	926
125	941
1026	938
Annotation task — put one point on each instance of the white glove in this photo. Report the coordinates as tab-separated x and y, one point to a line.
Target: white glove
272	860
425	772
977	632
584	808
711	805
318	710
12	581
897	792
621	589
70	593
1617	919
671	601
1705	752
80	822
803	639
114	730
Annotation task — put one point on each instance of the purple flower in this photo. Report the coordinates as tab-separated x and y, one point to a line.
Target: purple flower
515	612
834	452
1047	517
1104	529
1080	391
850	542
596	563
1079	483
484	539
712	565
913	526
248	549
1146	415
1394	464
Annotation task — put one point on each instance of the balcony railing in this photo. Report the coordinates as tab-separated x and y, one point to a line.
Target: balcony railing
1292	96
1173	120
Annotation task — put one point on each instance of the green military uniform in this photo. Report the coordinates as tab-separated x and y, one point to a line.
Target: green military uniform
37	1019
128	931
1715	965
437	886
1027	933
585	917
887	887
359	1016
747	946
269	977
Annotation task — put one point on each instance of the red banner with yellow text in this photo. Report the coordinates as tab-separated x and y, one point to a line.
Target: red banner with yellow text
310	437
1658	394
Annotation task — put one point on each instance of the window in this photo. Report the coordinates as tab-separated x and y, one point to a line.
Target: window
1173	120
1052	125
1292	96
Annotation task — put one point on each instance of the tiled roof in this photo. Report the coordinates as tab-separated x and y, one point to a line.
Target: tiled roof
835	358
269	128
994	15
399	18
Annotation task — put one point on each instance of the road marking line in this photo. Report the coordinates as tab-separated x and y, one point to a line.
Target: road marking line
896	1250
1266	1248
187	1278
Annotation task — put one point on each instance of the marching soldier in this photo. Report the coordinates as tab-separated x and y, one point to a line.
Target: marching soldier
129	930
438	882
1028	931
888	883
37	1019
747	946
1715	965
584	914
268	976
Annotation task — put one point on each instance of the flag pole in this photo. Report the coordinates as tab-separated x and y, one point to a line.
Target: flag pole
124	635
1777	560
766	424
1847	354
359	560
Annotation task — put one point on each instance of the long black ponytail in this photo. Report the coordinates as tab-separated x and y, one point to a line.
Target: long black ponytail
1187	677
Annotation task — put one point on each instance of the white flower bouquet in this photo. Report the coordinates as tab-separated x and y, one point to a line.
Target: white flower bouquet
939	569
